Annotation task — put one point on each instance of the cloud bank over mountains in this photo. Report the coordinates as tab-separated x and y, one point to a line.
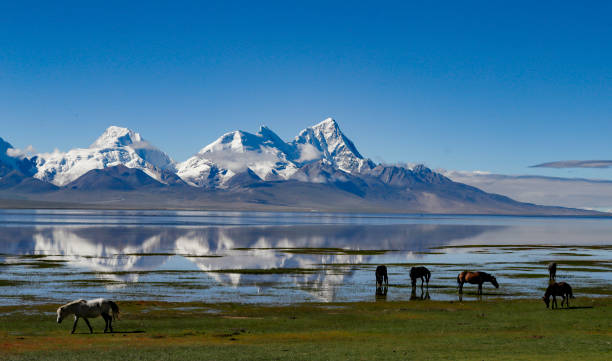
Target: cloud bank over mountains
575	164
566	192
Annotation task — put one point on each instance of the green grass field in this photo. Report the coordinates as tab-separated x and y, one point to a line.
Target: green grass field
478	330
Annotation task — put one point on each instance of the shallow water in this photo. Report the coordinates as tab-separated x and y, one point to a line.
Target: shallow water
266	257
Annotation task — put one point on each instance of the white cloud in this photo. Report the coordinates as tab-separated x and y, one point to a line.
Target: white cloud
551	191
21	153
575	164
308	152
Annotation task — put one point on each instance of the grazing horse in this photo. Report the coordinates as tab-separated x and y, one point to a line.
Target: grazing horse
419	272
552	271
381	274
475	278
558	289
89	309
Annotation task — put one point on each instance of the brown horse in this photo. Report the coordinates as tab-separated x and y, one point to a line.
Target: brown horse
475	278
558	289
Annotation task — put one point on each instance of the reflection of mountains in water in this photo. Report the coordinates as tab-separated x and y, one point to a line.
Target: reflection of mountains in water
125	249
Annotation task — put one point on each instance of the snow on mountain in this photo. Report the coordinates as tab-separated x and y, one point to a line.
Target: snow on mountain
115	146
271	158
236	152
326	141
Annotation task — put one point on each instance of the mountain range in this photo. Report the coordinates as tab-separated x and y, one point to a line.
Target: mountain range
320	169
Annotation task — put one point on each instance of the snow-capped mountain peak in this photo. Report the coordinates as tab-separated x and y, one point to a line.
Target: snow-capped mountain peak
235	153
115	136
327	138
117	145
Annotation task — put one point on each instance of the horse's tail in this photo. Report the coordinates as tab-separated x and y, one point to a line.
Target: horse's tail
571	294
427	276
115	309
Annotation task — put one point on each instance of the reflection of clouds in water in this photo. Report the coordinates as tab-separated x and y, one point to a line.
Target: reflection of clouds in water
123	249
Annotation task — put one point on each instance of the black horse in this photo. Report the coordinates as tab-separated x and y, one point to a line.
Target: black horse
558	289
381	274
552	271
420	272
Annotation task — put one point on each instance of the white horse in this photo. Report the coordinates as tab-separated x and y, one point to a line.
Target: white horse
89	309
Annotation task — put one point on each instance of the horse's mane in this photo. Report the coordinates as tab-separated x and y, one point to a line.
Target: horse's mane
72	303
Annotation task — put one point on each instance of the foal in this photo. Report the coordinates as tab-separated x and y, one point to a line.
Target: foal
89	309
558	289
381	274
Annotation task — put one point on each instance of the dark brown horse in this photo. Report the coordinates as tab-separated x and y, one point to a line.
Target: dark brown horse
475	278
381	274
419	272
558	289
552	271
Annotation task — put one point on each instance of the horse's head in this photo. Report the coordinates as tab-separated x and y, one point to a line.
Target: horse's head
546	300
494	282
60	314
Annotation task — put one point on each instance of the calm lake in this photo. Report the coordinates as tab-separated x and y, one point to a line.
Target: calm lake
283	258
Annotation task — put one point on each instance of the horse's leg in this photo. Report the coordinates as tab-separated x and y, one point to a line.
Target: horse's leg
105	321
461	287
110	323
88	325
76	319
480	288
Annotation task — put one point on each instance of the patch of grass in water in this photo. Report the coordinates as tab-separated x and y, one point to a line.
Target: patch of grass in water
39	263
577	262
200	256
181	285
94	282
519	247
571	254
523	275
147	254
269	271
11	283
33	256
330	251
170	254
603	290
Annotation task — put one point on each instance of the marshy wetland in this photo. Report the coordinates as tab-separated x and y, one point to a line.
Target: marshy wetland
50	256
293	286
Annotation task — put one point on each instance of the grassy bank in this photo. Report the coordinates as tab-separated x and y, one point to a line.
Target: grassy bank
489	330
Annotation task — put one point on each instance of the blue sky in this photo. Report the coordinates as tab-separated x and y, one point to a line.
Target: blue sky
492	87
